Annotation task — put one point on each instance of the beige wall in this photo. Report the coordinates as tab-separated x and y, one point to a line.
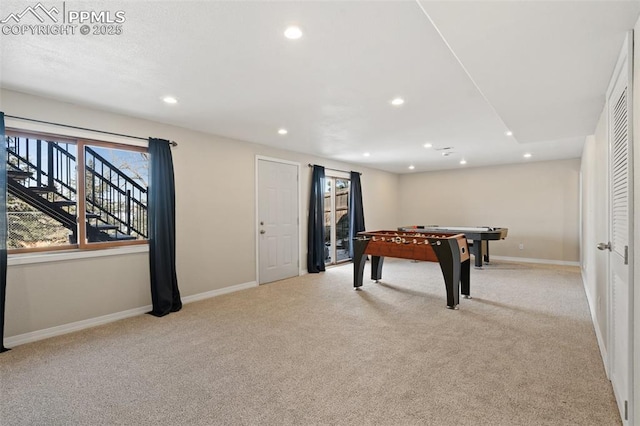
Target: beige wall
537	201
594	227
215	243
44	295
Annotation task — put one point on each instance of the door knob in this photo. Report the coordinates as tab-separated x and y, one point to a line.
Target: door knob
262	231
604	246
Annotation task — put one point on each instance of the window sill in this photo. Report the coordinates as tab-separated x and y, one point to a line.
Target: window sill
26	259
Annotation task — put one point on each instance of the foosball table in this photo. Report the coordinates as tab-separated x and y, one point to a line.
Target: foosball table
448	249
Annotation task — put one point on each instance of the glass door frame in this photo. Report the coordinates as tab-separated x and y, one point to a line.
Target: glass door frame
331	251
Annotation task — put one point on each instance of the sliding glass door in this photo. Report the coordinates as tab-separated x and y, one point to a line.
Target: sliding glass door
336	220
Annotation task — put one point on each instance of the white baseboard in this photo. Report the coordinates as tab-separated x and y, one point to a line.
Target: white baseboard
596	326
218	292
33	336
542	261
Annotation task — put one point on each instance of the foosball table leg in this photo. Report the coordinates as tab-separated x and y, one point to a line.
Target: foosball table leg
359	259
376	268
465	281
449	258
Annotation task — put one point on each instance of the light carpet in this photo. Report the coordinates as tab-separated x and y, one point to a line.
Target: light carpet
311	350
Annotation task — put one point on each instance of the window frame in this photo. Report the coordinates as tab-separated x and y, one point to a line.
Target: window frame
81	218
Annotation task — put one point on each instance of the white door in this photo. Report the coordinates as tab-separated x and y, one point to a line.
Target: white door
620	232
278	233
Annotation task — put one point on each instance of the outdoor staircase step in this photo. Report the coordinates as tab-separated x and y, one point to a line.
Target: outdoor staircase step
64	203
90	215
106	226
19	174
125	237
41	189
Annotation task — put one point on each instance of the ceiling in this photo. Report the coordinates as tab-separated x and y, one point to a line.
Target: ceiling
467	71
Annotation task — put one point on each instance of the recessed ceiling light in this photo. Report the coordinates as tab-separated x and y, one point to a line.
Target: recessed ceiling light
508	133
397	101
283	131
293	32
412	167
527	155
170	100
428	145
366	154
463	161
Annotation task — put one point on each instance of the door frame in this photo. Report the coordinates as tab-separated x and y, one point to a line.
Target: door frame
335	175
620	63
256	234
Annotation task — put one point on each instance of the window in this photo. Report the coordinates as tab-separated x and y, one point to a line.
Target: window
52	205
336	220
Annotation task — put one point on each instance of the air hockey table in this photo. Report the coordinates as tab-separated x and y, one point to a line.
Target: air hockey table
479	235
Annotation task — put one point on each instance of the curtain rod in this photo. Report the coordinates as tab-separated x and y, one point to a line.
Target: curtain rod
335	170
172	143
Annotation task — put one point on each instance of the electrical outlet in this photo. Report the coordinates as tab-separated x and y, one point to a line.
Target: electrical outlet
521	246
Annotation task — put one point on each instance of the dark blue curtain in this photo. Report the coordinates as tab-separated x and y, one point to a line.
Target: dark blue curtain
315	235
165	295
3	229
356	212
